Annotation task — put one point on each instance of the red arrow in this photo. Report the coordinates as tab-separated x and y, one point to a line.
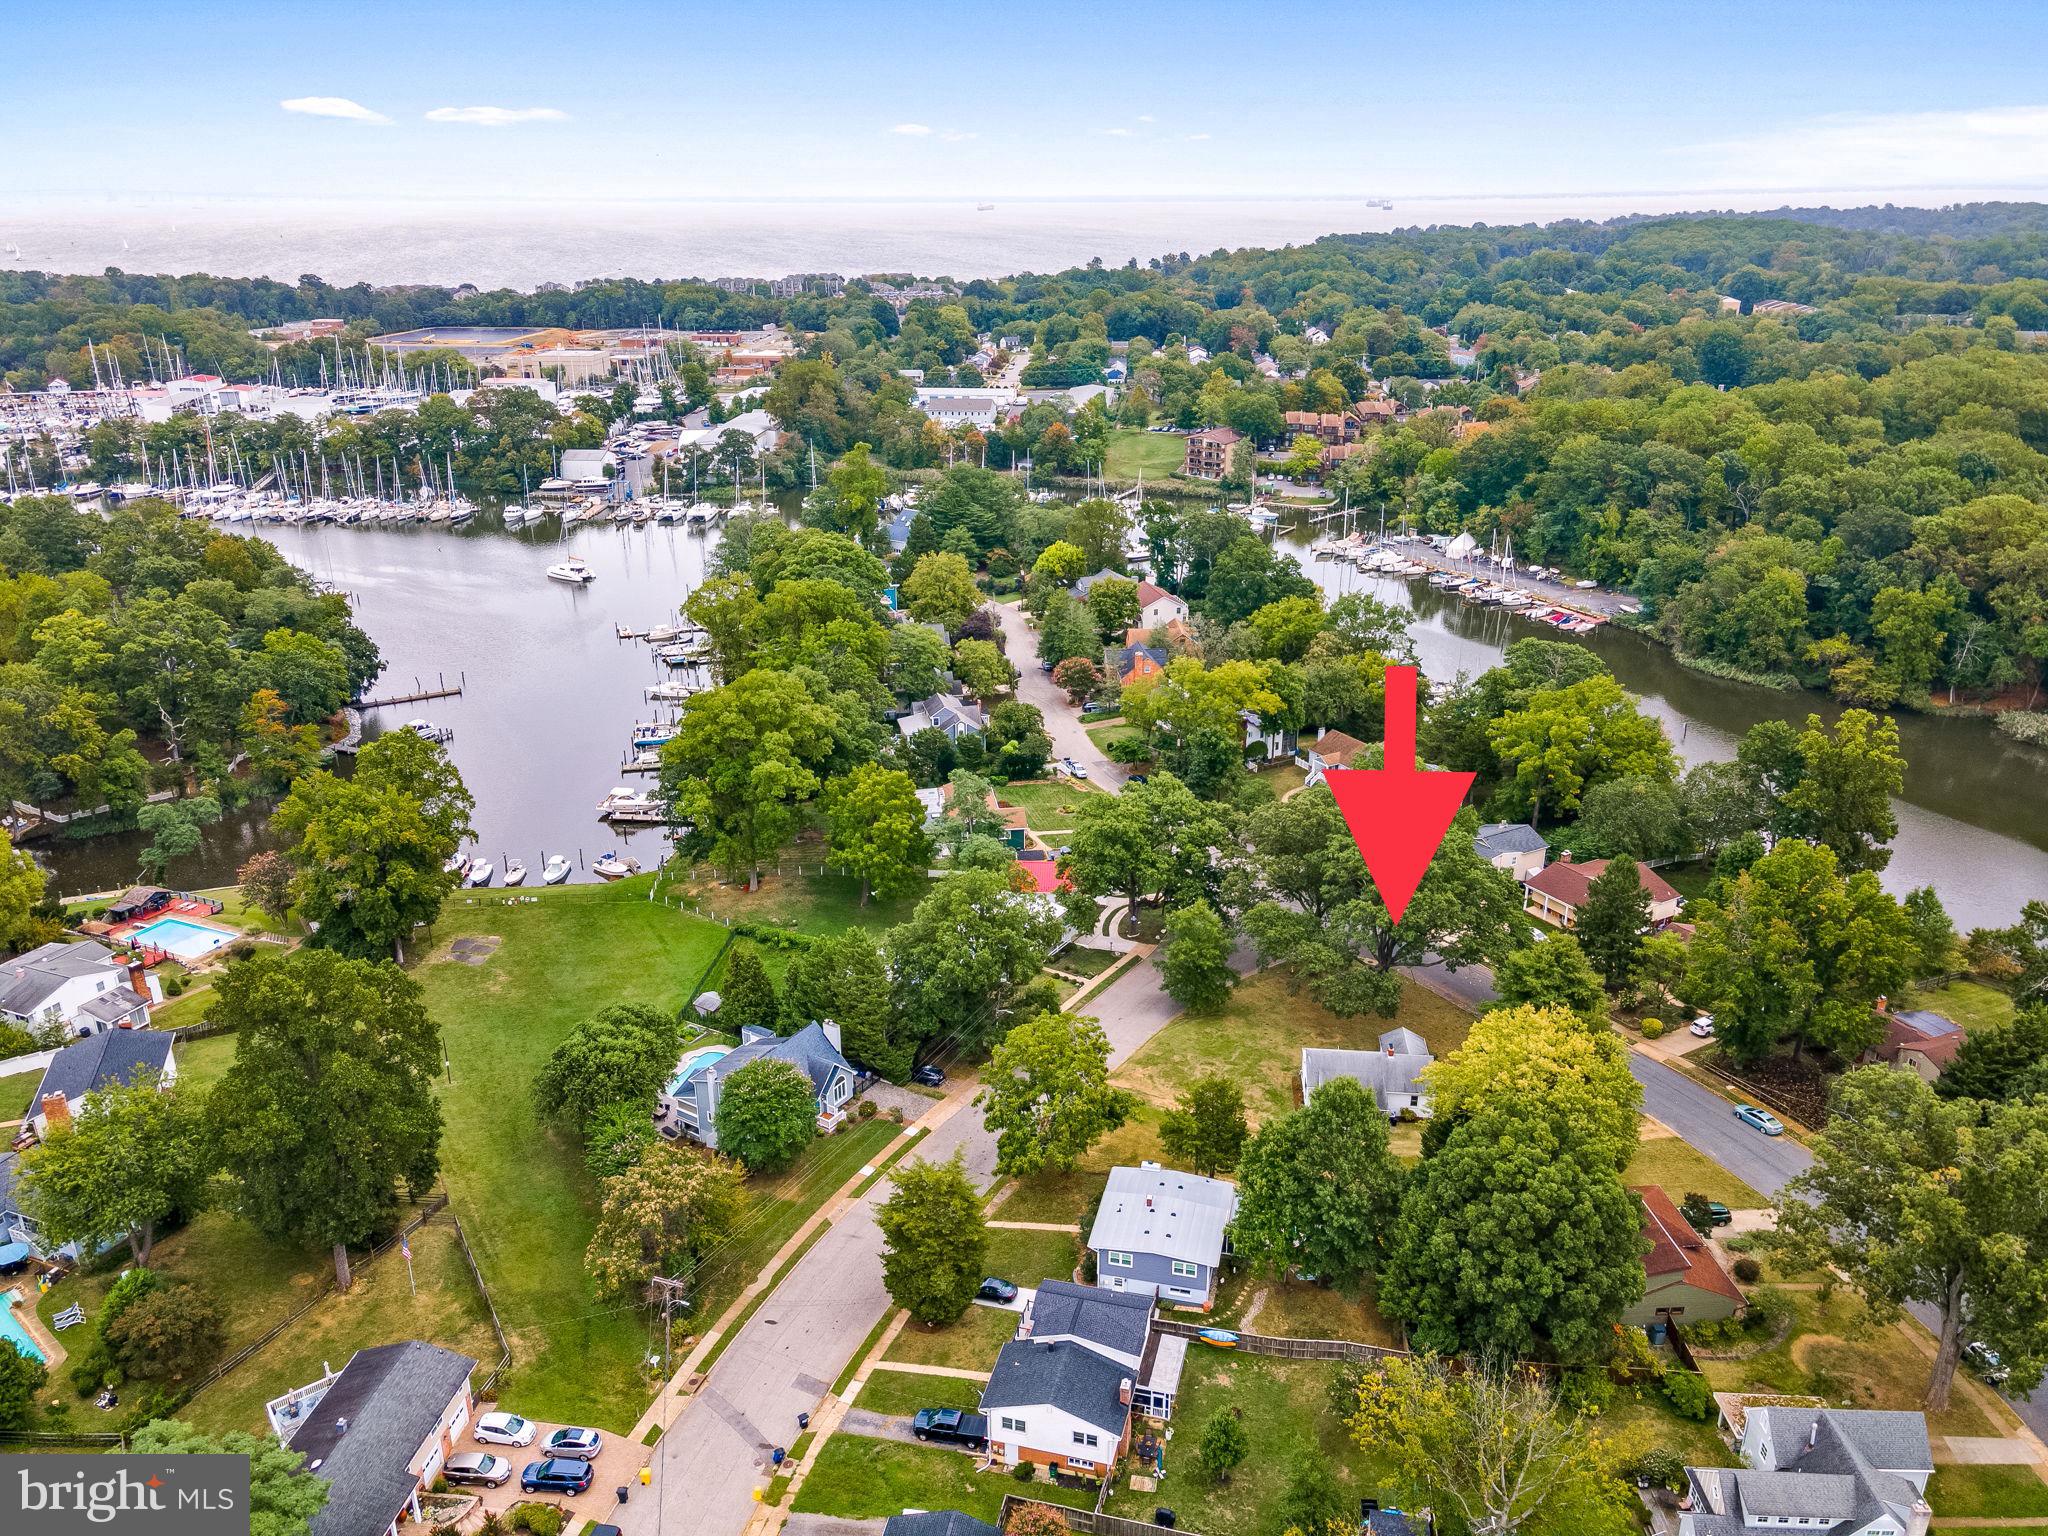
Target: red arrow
1398	813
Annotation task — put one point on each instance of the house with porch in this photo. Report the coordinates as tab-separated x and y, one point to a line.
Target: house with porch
689	1105
952	713
1058	1403
1843	1471
1332	749
1160	1232
378	1432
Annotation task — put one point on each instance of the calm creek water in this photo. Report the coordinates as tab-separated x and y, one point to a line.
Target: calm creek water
550	695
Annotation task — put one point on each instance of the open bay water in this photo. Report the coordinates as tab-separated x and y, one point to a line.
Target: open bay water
523	244
551	695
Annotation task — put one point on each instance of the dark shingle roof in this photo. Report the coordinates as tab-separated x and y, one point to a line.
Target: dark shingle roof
392	1397
1498	837
937	1522
1071	1377
1114	1319
808	1049
116	1056
27	981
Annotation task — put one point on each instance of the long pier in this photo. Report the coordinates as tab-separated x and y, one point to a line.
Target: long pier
442	689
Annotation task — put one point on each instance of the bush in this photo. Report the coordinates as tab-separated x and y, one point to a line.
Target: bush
538	1519
1769	1310
1659	1467
1748	1271
2029	726
174	986
867	1110
1653	1029
1586	1390
1689	1395
1024	1471
774	938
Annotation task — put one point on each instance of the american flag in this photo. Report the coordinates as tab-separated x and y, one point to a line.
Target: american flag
405	1245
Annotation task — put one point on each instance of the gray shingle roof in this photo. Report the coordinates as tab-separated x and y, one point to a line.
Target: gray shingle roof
808	1049
113	1005
115	1056
1498	837
1837	1464
1165	1212
1390	1074
1116	1320
392	1397
28	981
937	1522
1071	1377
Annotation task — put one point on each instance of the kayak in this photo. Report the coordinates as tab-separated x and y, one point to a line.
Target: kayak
1222	1338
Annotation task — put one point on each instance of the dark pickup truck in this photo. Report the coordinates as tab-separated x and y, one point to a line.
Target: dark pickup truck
951	1426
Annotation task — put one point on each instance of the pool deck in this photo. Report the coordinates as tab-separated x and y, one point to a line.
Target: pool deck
199	913
24	1310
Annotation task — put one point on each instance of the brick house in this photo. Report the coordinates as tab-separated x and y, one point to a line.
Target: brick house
1556	892
1208	452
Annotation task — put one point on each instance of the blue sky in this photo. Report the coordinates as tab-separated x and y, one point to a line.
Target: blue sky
568	101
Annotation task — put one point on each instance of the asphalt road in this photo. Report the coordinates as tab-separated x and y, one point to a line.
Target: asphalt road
1062	723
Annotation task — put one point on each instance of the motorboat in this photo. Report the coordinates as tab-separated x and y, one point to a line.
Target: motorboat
480	873
613	866
573	571
431	731
624	804
456	864
555	870
653	733
515	872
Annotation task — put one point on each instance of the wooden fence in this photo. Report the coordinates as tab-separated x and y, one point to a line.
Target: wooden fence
1094	1522
1288	1349
1757	1092
489	1386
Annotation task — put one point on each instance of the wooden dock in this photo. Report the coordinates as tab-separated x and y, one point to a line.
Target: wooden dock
441	689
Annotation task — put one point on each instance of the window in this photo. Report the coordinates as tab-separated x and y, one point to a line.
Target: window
1079	1461
1014	1424
1081	1439
1183	1270
1117	1260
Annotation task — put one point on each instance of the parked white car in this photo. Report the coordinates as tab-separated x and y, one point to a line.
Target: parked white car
1703	1026
505	1429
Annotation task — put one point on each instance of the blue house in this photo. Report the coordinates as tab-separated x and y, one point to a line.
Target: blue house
1160	1232
690	1105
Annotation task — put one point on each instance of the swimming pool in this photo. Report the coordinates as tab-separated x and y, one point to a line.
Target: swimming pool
12	1331
188	941
691	1063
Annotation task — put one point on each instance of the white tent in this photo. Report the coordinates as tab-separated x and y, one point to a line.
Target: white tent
1461	547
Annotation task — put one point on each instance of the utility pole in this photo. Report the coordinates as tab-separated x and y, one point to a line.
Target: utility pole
671	1298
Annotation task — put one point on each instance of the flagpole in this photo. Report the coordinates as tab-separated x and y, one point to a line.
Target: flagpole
405	1247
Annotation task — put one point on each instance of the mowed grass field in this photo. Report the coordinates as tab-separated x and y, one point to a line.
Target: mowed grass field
518	1183
1155	454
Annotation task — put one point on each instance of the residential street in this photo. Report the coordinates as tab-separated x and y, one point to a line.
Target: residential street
1062	723
789	1353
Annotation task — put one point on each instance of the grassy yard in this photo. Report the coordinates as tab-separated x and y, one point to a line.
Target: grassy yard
1133	451
1970	1003
1103	735
518	1183
1669	1164
16	1092
1065	1197
1286	1411
813	902
969	1344
861	1479
2010	1493
904	1392
1085	960
1048	806
1256	1040
380	1307
202	1062
1025	1258
1836	1352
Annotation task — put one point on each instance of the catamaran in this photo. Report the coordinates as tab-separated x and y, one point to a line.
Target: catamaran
573	571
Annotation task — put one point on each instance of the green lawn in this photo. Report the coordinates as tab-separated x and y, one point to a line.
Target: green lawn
441	1304
1025	1258
1103	735
519	1184
1285	1406
969	1344
1047	806
1674	1167
904	1392
202	1062
1085	960
1297	1310
16	1092
813	902
1155	454
1988	1492
1970	1003
861	1479
1065	1197
1256	1040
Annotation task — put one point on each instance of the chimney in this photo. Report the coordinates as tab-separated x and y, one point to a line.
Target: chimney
831	1033
1813	1433
341	1426
1123	1391
1883	1004
138	978
1390	1047
56	1110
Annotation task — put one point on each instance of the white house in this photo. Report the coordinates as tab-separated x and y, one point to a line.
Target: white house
81	986
378	1432
1513	846
1160	1232
1392	1074
1158	607
1844	1471
954	405
1060	1404
689	1105
115	1058
1117	1325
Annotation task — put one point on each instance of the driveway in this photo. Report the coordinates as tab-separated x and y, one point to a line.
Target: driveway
878	1426
618	1466
1062	720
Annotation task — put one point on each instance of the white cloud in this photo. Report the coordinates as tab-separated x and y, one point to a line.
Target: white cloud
911	130
1195	138
496	117
1147	117
1995	146
333	106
